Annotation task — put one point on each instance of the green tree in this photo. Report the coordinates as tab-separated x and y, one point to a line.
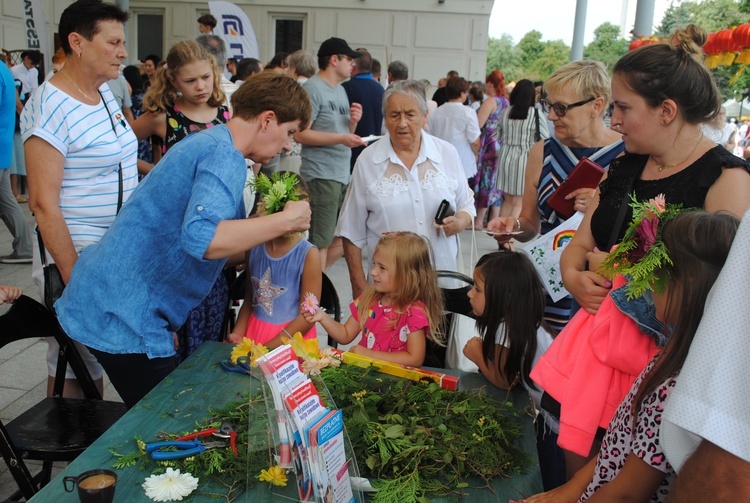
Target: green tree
529	48
713	15
501	56
676	16
608	46
553	55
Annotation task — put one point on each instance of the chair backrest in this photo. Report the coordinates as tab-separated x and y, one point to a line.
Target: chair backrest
455	301
329	300
27	319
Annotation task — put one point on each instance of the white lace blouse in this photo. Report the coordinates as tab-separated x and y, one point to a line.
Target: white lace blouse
385	196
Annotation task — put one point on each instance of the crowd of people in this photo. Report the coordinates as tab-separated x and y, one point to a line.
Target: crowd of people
137	181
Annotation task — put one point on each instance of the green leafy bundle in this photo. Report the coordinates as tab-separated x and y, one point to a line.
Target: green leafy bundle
413	440
416	440
277	190
228	475
641	254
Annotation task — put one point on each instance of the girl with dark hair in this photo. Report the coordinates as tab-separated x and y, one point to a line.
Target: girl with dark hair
520	127
631	460
508	302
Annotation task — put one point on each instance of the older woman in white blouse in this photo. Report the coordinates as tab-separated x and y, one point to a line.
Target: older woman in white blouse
398	184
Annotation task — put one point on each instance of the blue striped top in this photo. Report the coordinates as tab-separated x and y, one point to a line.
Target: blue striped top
93	151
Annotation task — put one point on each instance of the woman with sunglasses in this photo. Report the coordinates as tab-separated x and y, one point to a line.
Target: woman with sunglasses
578	95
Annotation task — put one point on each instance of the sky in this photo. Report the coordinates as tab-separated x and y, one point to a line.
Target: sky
555	18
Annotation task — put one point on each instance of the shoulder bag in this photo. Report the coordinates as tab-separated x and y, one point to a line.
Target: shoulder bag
53	282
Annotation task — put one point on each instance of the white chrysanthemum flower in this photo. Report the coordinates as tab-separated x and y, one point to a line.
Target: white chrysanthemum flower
170	486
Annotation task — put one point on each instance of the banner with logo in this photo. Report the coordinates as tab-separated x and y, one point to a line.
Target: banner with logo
35	30
234	27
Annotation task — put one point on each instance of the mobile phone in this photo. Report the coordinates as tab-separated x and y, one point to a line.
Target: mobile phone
444	210
511	233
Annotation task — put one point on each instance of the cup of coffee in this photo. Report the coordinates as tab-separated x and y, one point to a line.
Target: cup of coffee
94	486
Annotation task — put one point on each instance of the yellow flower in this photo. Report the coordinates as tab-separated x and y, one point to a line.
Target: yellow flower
248	348
276	475
305	348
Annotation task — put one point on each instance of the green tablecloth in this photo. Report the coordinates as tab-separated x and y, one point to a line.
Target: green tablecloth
199	383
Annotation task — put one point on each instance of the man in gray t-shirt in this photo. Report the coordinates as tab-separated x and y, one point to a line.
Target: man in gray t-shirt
327	143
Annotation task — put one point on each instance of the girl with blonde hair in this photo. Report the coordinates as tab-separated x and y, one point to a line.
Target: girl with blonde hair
185	98
400	309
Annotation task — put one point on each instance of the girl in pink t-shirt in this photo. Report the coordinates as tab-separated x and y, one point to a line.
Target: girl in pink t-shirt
401	307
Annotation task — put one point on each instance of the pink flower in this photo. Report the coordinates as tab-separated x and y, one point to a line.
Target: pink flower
645	238
310	303
659	202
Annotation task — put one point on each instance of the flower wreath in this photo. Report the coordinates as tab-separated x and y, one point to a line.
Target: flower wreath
276	191
641	254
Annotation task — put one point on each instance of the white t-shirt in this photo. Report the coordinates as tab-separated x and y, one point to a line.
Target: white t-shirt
709	400
27	77
384	196
543	342
458	125
83	134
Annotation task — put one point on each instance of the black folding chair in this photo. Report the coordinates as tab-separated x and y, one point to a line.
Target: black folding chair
455	301
55	429
329	301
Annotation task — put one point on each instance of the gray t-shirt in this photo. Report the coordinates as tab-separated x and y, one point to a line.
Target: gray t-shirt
330	114
119	88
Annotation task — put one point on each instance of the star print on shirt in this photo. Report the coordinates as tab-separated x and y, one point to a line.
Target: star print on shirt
265	292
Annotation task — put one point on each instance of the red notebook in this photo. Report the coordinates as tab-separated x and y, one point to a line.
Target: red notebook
586	174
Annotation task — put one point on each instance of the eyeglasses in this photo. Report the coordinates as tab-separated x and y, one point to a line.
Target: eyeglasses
559	108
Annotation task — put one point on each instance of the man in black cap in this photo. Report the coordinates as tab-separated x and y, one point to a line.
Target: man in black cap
327	143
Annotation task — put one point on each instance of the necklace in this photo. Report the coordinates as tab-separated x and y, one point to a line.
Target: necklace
65	74
661	167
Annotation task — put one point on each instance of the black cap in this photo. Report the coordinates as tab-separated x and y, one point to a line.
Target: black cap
337	46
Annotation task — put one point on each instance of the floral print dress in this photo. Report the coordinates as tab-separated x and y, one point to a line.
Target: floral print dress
485	192
204	322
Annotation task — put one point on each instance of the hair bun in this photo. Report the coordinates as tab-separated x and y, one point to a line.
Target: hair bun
689	40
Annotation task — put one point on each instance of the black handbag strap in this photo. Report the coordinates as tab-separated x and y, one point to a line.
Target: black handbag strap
623	210
42	251
119	166
537	134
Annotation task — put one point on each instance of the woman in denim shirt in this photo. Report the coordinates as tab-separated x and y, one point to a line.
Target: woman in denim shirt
130	291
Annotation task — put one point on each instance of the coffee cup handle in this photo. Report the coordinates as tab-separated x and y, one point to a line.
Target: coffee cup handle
72	480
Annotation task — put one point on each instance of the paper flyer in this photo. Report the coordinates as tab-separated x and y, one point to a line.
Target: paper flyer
545	252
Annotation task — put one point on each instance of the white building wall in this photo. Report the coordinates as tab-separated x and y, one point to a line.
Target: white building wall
429	36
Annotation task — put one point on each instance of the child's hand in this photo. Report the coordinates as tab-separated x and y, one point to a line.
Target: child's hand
234	338
473	349
9	293
312	318
356	349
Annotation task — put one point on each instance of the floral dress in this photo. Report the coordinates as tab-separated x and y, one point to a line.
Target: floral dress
486	193
204	322
144	149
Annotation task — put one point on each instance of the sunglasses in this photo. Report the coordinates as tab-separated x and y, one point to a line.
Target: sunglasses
559	108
